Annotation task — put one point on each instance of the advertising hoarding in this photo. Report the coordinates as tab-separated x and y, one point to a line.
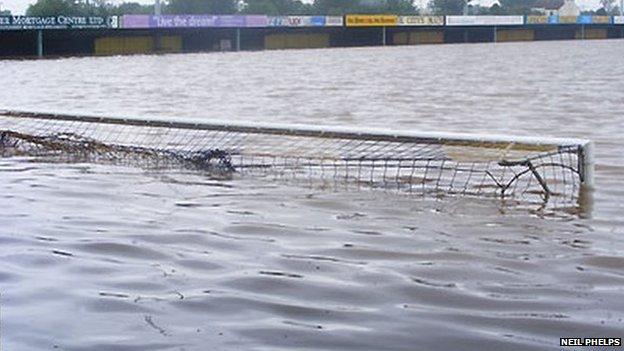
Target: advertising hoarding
537	20
484	20
193	21
601	19
255	21
230	21
552	19
296	21
420	21
567	19
371	20
57	22
334	21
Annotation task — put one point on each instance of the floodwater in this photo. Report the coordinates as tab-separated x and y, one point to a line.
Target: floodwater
103	257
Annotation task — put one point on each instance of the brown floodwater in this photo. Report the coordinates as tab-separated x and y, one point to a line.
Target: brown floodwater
105	257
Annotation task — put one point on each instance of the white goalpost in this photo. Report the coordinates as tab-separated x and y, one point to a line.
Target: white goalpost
552	170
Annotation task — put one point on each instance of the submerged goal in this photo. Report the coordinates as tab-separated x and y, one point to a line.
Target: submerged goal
523	168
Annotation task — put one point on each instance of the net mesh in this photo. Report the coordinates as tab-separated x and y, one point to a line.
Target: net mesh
529	172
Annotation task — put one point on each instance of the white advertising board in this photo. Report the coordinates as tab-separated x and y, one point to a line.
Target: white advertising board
420	21
297	21
484	20
333	21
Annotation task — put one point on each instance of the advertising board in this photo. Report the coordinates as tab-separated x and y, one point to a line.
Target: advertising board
255	21
537	20
371	20
57	22
193	21
334	21
567	19
296	21
552	19
420	21
484	20
601	19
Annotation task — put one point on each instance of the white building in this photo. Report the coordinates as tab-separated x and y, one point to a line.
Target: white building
557	8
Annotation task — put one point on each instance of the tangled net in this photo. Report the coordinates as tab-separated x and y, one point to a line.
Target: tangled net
79	148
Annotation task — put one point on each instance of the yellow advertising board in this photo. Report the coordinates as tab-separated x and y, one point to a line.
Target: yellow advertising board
371	20
567	19
601	19
537	19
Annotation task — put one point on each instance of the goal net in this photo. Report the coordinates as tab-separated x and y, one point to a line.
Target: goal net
523	168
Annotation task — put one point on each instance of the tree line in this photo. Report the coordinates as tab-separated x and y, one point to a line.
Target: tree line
221	7
291	7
